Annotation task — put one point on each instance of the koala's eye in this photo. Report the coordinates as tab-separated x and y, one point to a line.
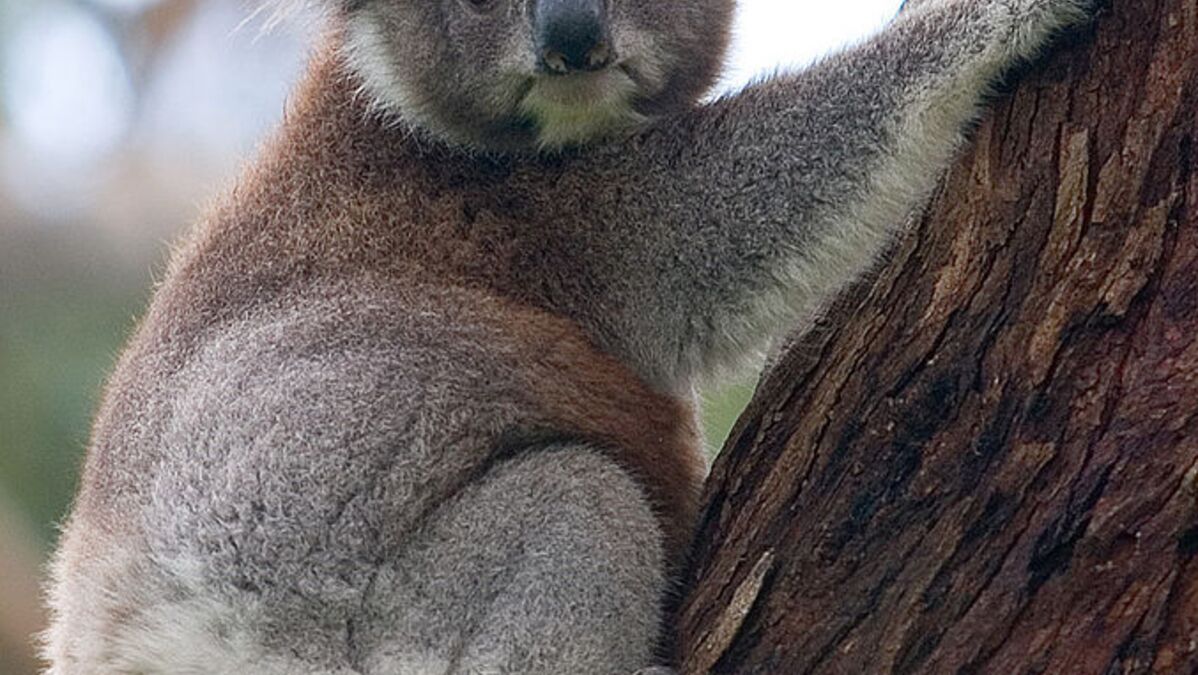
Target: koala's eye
481	5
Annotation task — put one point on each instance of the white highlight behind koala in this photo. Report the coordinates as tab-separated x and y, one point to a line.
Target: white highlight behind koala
769	35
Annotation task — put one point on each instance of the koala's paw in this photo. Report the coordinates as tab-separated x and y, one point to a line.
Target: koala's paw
656	670
1028	26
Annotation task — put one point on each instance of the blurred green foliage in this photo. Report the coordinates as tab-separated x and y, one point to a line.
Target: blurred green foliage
721	407
56	346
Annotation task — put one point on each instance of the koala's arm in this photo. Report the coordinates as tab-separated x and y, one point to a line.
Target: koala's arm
767	203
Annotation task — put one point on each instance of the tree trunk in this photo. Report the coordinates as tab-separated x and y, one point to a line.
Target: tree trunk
985	459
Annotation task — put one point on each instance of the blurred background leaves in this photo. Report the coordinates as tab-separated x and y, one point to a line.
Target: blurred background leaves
119	119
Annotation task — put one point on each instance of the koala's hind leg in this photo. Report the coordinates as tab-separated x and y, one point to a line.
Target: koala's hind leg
551	563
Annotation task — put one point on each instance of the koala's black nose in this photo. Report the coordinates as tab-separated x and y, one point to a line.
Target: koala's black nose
571	35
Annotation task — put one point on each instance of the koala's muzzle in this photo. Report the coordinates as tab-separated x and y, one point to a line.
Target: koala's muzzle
571	35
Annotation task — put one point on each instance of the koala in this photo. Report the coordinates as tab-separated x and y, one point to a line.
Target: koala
417	395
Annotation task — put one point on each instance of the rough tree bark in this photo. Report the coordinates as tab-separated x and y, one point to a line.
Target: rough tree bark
985	460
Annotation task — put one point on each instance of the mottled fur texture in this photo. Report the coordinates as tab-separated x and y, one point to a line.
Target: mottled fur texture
417	396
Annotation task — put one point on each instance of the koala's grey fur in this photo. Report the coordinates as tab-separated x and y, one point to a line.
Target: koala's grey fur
417	396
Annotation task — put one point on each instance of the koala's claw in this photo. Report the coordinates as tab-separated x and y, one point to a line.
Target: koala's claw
1030	24
1021	29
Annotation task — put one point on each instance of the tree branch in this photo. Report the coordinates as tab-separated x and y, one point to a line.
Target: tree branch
985	460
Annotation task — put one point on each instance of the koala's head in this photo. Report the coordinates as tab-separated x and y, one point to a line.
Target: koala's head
523	74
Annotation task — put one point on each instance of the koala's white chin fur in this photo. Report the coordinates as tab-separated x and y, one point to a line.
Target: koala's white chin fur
567	111
574	109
